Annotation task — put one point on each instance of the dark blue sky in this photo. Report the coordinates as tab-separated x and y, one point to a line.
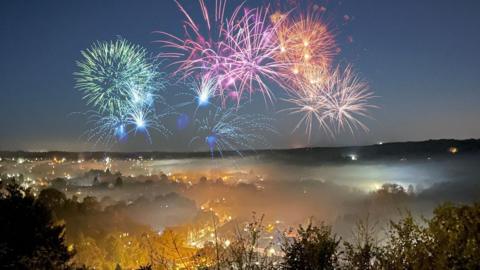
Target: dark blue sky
420	57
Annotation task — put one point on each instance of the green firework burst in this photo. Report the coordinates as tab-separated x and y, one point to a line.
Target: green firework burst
113	75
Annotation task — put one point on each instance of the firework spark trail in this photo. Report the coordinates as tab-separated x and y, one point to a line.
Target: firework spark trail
110	70
227	130
347	99
142	119
199	49
335	104
252	44
106	129
313	113
240	53
203	90
200	92
123	84
225	57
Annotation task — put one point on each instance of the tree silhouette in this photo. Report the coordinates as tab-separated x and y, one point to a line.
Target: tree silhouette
119	182
455	231
407	246
363	252
52	198
313	248
95	181
29	238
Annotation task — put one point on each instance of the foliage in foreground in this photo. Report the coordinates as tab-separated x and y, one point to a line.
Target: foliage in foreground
33	238
29	237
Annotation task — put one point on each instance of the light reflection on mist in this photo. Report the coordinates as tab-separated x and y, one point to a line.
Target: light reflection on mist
175	191
365	176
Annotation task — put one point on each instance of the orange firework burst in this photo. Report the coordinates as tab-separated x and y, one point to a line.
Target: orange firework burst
305	41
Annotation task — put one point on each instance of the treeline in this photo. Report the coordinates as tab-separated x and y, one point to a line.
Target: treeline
50	231
386	151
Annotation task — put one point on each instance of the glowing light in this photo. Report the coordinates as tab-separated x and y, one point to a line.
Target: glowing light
183	121
203	99
204	90
453	150
146	118
140	123
107	129
120	132
211	140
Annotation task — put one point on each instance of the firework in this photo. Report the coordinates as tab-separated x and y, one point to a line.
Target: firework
183	120
238	50
304	41
347	99
144	119
204	89
199	92
106	129
313	111
333	104
113	74
227	130
227	58
252	44
199	50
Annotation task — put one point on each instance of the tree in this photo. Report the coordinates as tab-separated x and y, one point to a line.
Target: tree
29	238
119	182
89	253
243	253
95	181
59	183
52	198
450	240
164	178
313	248
90	204
455	231
363	253
407	246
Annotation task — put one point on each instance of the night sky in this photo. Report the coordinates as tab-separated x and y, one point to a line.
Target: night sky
421	59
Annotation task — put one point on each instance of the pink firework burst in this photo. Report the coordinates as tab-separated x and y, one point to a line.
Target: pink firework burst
199	49
238	50
252	44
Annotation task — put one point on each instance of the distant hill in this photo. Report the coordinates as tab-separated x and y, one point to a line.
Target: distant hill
386	151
